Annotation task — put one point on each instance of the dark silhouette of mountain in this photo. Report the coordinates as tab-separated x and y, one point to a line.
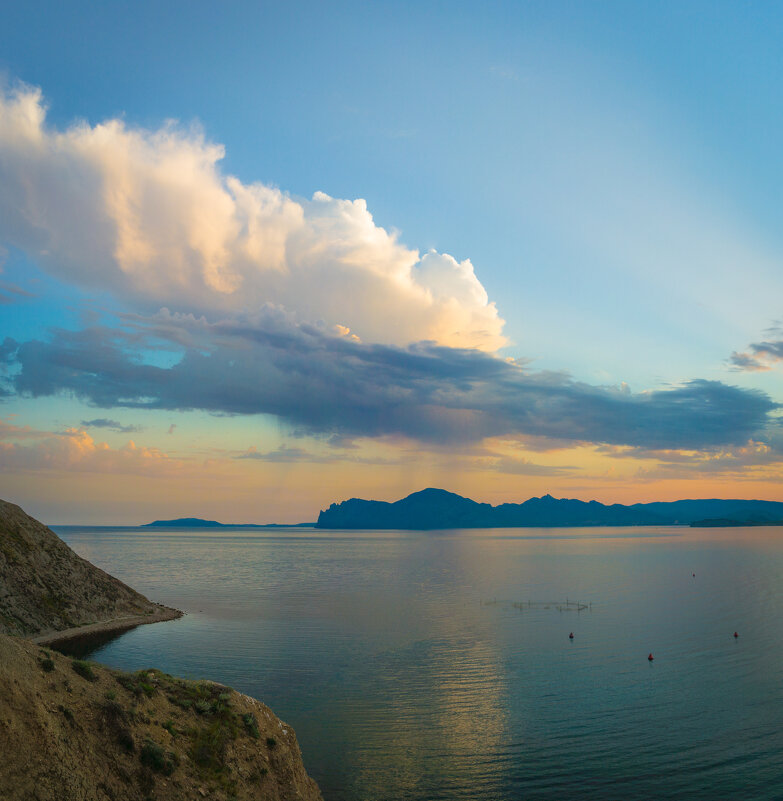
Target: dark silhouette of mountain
691	510
437	508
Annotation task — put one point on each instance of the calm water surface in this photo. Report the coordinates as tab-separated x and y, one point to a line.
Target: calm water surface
408	673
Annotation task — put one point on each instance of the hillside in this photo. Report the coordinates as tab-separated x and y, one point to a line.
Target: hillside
78	731
437	508
45	587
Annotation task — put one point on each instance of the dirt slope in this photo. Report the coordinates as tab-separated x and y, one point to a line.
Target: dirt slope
78	731
45	587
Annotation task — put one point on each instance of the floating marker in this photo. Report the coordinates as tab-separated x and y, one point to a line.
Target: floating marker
736	635
571	636
650	658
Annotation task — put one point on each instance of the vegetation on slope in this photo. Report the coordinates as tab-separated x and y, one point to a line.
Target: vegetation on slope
77	730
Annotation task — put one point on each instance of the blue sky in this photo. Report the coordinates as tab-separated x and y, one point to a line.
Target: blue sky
610	170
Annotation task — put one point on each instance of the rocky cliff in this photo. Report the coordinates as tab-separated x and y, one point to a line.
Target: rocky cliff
79	731
45	587
82	732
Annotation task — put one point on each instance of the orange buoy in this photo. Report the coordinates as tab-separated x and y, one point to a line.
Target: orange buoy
650	658
571	636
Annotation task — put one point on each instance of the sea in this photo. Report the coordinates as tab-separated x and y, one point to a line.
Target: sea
439	664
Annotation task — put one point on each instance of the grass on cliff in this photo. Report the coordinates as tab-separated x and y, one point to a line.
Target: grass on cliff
202	719
84	669
155	758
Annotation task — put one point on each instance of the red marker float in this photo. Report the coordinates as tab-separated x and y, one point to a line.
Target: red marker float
650	658
736	635
571	636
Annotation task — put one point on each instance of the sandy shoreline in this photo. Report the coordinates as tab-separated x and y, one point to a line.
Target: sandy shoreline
116	624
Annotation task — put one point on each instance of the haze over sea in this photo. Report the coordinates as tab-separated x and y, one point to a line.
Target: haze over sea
408	672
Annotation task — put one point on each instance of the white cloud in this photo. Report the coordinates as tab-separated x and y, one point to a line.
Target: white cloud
150	216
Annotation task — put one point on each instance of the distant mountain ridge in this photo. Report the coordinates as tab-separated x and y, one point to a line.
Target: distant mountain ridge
438	508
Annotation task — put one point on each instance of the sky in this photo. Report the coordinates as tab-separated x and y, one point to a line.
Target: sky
259	257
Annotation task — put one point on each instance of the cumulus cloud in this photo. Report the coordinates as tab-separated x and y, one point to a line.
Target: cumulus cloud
150	216
317	381
23	448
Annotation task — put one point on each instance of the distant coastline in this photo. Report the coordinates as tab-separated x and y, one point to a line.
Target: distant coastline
724	522
438	509
432	509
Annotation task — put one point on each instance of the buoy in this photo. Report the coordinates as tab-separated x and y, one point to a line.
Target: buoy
694	575
735	634
650	658
571	636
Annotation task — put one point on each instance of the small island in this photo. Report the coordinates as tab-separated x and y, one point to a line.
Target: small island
197	522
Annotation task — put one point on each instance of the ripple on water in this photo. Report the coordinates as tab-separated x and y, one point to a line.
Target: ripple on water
400	683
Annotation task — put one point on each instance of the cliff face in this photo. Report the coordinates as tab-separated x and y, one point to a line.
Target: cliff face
79	731
45	587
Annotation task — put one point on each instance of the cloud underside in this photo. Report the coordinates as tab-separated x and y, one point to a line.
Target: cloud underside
150	216
113	425
321	383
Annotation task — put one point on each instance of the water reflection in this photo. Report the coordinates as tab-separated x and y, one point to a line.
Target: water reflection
400	683
88	644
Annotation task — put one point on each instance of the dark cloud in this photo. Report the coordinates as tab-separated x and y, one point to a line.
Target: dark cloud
523	467
343	443
285	453
281	454
732	459
759	355
114	425
11	293
747	363
330	385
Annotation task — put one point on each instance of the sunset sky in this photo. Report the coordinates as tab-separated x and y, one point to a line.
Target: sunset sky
260	257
